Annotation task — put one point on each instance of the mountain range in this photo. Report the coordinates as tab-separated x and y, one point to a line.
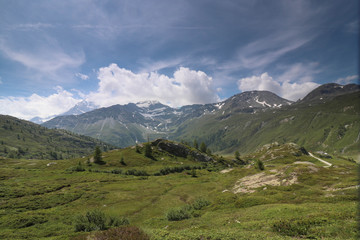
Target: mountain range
327	119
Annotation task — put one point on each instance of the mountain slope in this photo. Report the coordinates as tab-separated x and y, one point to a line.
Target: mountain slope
332	126
329	91
23	139
124	125
326	119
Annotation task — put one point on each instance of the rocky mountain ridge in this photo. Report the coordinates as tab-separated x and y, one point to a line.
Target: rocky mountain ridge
242	121
139	120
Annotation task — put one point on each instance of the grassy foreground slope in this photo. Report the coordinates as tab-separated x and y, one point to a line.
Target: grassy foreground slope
294	196
23	139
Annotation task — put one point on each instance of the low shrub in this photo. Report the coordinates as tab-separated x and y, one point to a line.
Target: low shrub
200	203
136	172
116	171
123	233
177	214
96	220
78	168
187	211
296	228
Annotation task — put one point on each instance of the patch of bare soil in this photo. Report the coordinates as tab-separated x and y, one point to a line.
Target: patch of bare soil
226	170
248	184
339	189
311	166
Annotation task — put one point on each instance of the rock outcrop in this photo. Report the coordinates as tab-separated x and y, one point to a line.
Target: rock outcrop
181	150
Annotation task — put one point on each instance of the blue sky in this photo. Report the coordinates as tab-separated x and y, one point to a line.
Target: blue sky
54	54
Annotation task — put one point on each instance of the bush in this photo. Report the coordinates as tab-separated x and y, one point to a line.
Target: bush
116	222
200	203
93	220
260	165
296	228
96	220
116	171
78	168
135	172
122	161
177	214
123	233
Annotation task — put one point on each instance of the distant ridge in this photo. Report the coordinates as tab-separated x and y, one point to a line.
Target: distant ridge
124	125
242	122
23	139
329	91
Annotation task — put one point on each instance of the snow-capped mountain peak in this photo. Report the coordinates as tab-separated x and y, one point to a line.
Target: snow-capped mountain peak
80	108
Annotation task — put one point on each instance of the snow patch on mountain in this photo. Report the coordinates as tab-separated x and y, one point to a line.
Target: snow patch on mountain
262	103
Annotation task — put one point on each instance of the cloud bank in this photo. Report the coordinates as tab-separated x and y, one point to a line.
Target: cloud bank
345	80
285	89
35	105
119	86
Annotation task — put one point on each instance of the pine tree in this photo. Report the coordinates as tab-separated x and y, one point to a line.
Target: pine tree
148	151
97	155
260	165
237	155
196	145
122	162
203	147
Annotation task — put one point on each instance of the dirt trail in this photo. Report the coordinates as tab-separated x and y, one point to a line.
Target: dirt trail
323	161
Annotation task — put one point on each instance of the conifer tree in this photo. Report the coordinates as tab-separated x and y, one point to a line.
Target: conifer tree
203	147
196	145
97	155
148	151
237	155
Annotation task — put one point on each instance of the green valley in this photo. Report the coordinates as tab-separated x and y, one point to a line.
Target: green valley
181	193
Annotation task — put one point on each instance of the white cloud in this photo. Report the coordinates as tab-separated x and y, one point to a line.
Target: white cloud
120	86
285	89
44	60
32	26
348	79
262	52
154	66
299	72
82	76
35	105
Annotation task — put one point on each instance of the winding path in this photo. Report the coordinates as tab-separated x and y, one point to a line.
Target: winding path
323	161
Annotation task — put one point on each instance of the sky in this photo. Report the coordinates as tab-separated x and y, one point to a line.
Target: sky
55	54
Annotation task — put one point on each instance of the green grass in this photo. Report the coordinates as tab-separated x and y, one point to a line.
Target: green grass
45	202
23	139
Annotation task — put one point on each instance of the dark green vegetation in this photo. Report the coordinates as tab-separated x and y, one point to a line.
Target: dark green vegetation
294	196
23	139
96	220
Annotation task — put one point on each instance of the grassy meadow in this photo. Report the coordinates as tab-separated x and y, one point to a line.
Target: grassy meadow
170	197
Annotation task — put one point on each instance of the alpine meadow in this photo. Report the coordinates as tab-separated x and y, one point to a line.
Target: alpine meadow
181	120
